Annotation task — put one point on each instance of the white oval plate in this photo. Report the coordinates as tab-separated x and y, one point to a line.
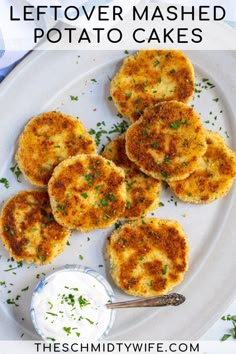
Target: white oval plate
45	81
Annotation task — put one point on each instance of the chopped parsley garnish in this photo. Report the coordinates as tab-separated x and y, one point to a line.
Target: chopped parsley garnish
93	80
81	257
88	177
164	270
16	171
25	289
67	330
156	144
164	174
175	125
90	321
12	301
167	159
156	62
119	127
41	257
84	195
104	202
5	182
73	98
117	224
51	305
19	265
128	94
52	313
51	338
98	134
128	205
130	185
101	130
83	302
61	207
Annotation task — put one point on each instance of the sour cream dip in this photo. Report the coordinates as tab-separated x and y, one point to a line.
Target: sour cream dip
69	305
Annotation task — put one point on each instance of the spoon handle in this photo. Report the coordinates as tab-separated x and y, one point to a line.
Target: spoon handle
173	299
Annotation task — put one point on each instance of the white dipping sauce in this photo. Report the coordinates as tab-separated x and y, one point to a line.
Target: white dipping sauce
70	305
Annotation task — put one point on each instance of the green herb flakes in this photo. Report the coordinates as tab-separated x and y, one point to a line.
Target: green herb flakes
83	302
128	205
164	270
5	182
74	98
164	174
167	159
176	125
16	171
104	202
156	63
52	313
25	289
67	330
90	321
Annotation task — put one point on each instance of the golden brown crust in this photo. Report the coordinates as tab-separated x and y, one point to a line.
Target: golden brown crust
148	257
87	192
167	141
28	229
149	77
213	176
142	191
48	139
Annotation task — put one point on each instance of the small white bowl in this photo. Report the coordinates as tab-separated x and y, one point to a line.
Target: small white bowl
69	305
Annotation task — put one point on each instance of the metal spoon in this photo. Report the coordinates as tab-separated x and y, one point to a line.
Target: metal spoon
173	299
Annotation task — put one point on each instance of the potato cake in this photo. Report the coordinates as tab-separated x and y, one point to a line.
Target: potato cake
87	192
48	139
148	257
142	191
28	229
213	176
149	77
167	141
